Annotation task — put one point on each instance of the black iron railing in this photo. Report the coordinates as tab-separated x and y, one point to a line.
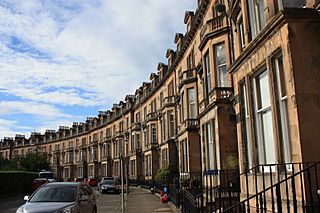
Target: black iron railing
290	187
134	182
189	202
147	184
174	194
207	191
287	187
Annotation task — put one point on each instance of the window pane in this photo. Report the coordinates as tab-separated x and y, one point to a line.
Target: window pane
268	137
221	66
191	98
222	76
282	102
207	67
185	157
171	124
263	114
246	117
220	54
210	146
280	76
263	90
154	133
241	34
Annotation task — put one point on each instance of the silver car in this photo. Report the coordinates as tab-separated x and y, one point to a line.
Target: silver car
61	197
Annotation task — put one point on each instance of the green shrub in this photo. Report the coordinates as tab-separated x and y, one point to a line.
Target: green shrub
166	174
230	162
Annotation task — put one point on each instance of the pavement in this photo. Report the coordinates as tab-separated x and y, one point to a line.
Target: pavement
139	200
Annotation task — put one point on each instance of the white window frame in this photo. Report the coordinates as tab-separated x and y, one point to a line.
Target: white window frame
260	111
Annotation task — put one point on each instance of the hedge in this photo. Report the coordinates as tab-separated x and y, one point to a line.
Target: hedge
15	182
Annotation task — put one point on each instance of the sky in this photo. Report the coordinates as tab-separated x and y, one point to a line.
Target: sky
62	61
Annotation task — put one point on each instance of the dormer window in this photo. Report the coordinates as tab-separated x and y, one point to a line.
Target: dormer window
169	56
178	40
188	19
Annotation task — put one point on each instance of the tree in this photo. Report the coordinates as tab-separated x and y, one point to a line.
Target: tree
6	164
34	162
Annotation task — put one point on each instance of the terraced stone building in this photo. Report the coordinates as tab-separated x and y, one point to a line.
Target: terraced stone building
242	85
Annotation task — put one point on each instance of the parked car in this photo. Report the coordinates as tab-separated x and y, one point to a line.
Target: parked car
108	186
72	197
104	178
78	179
38	182
46	174
91	181
107	178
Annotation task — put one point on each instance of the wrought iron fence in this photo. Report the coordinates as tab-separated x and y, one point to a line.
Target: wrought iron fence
147	184
207	191
288	187
134	182
174	194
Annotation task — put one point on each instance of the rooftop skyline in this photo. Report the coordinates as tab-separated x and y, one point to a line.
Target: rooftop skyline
64	61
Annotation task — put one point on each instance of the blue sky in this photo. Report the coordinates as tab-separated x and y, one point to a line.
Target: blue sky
62	61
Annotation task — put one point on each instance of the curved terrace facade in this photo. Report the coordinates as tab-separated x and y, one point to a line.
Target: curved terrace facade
234	89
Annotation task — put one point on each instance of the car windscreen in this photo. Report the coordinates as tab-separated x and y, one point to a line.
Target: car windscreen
109	182
55	194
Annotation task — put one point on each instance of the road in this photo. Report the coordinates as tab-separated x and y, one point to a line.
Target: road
11	204
105	203
108	202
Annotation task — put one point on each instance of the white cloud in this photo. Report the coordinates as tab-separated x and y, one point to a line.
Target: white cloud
44	116
27	107
81	53
95	48
7	128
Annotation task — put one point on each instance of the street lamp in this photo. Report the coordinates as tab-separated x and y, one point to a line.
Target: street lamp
121	174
